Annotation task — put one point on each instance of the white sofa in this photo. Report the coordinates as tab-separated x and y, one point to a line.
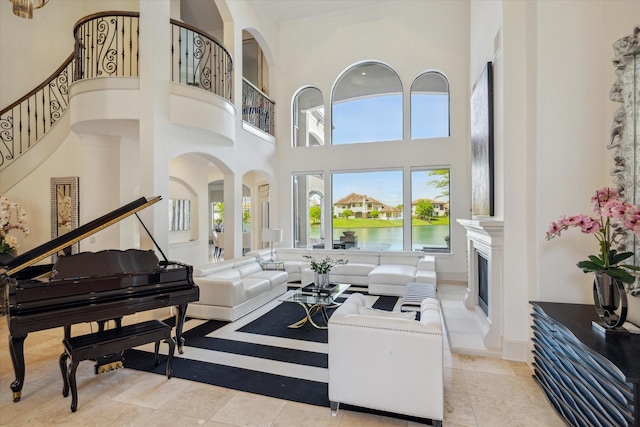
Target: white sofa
230	289
385	361
293	259
382	272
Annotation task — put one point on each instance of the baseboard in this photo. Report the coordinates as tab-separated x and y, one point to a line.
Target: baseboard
517	351
452	277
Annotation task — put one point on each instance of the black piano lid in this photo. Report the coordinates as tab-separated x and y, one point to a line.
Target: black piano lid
59	243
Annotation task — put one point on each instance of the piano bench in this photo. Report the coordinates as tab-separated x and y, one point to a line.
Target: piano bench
95	345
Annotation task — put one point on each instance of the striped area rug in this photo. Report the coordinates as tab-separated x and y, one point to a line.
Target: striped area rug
256	354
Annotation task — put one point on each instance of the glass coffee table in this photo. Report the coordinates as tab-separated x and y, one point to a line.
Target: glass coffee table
313	300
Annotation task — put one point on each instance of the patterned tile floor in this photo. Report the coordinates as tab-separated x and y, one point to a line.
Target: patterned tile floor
479	391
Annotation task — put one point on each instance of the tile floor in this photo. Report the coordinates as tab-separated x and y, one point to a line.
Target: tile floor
479	391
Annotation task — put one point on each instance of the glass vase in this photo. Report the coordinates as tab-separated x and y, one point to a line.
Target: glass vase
610	299
322	280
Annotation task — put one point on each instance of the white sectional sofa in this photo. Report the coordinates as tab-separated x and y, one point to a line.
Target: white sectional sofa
293	259
230	289
385	361
382	272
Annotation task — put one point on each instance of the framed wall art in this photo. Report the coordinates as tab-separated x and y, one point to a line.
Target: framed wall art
65	209
482	194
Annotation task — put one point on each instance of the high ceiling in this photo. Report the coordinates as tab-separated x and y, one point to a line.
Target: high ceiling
289	10
204	14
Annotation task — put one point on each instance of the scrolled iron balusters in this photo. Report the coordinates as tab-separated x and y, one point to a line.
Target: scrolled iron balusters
6	127
58	96
199	60
106	45
27	120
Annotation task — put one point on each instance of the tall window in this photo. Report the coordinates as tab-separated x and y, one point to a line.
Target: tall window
430	106
308	210
430	229
367	210
308	118
366	105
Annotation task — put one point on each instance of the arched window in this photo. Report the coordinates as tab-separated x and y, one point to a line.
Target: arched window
308	118
430	106
366	105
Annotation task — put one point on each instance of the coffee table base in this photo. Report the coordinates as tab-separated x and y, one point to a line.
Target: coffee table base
312	302
310	310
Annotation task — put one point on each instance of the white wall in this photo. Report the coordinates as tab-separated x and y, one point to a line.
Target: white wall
188	180
34	192
51	27
552	78
573	119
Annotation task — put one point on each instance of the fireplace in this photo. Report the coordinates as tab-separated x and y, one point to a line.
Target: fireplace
483	283
484	288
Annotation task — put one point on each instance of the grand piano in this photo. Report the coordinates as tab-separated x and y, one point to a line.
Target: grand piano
88	286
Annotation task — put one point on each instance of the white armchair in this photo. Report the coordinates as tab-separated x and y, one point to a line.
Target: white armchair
386	361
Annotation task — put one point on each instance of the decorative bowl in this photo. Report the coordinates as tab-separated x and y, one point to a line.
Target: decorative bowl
349	233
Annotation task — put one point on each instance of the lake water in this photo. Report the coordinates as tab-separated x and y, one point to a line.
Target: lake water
380	238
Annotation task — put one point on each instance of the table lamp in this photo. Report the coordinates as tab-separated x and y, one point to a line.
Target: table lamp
271	236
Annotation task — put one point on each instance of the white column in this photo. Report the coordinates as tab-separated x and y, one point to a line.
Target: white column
154	113
232	216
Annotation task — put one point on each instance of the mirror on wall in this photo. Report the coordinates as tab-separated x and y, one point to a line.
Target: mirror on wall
179	214
64	209
625	132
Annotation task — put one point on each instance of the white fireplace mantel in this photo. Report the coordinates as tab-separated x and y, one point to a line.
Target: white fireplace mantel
485	237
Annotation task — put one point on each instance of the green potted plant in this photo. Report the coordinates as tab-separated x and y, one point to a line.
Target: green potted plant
322	269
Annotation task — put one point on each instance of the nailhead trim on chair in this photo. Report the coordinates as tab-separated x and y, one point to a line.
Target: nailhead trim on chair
385	328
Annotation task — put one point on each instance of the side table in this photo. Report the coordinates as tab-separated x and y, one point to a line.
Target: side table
591	378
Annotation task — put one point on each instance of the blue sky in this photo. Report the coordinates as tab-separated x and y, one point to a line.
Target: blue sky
367	119
380	119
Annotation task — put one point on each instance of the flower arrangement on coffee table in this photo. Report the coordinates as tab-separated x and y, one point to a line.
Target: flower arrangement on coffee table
325	265
322	268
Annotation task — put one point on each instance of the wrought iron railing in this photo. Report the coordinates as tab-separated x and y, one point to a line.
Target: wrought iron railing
106	45
26	121
257	109
199	60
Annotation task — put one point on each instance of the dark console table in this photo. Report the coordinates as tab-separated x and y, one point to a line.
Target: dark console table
590	377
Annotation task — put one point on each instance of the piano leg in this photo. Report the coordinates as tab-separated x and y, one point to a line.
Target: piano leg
65	374
180	319
16	349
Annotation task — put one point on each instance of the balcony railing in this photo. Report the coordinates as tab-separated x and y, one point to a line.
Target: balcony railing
257	109
106	45
26	121
199	60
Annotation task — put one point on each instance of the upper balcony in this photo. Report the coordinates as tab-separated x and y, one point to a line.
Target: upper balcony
107	50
